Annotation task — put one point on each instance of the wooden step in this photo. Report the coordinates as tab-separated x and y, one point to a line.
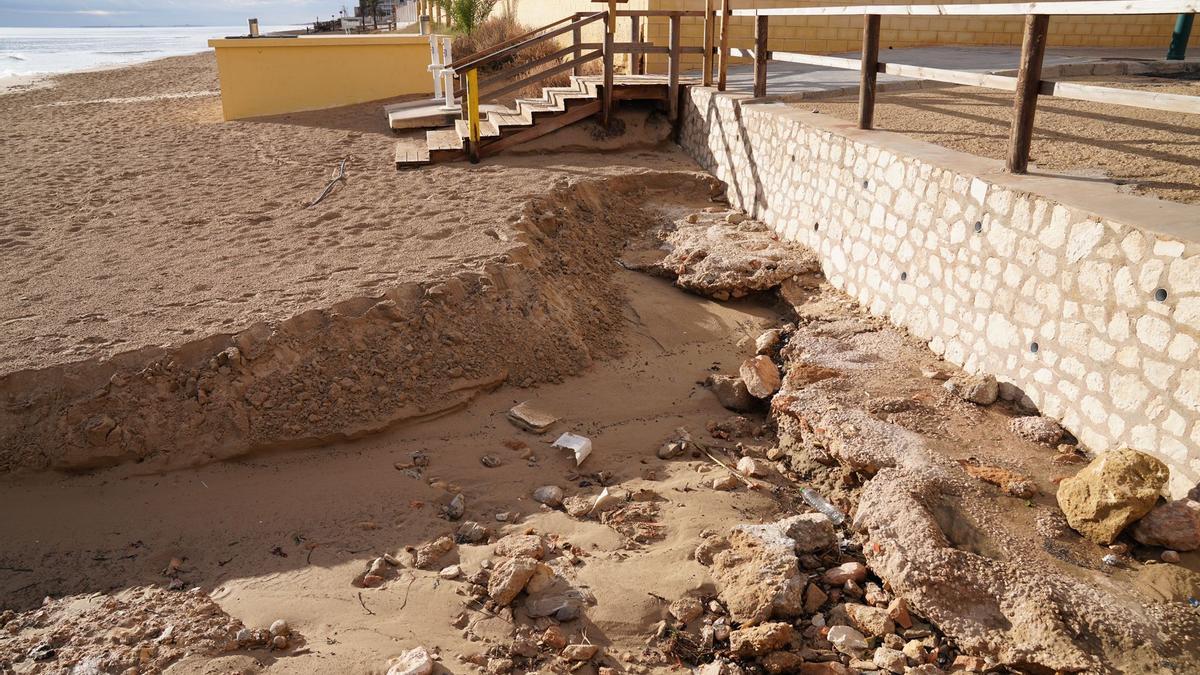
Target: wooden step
411	152
419	115
486	129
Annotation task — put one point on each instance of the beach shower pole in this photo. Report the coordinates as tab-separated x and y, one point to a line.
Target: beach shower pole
1179	38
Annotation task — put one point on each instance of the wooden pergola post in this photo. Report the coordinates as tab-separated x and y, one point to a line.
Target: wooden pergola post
870	71
760	56
673	63
607	96
636	66
1029	78
723	61
710	34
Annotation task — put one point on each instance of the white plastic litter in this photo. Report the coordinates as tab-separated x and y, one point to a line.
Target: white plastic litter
580	445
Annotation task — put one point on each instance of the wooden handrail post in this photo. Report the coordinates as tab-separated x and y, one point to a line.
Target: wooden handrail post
723	61
635	36
760	56
577	37
473	114
607	94
710	34
1033	48
673	62
870	71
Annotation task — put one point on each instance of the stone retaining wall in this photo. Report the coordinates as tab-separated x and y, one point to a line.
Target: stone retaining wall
1084	299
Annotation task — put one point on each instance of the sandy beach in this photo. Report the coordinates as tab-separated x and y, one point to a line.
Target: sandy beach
147	220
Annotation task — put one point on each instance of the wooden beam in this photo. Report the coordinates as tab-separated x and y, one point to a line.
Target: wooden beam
710	34
673	62
869	71
570	116
635	37
606	96
1072	7
1033	48
660	12
723	61
760	55
577	40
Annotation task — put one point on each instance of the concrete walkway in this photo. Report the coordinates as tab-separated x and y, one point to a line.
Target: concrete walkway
789	79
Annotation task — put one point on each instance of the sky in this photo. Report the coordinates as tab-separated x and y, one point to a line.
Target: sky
165	12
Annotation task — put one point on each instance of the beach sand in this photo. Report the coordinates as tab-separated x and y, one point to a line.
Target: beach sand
134	216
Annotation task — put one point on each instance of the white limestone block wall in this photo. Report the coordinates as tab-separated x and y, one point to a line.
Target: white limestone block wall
1043	282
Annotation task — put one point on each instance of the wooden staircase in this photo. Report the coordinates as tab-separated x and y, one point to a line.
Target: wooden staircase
502	127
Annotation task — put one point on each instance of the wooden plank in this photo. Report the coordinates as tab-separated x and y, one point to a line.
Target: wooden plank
813	60
539	76
474	61
607	94
673	62
511	73
1128	97
660	12
1029	75
760	55
723	57
868	72
541	128
1000	82
1070	8
577	40
710	33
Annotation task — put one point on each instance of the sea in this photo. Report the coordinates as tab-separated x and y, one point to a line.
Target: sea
44	51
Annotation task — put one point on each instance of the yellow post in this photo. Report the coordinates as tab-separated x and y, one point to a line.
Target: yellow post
473	114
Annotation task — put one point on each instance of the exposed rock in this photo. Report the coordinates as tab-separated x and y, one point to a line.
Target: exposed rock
897	610
735	217
450	572
550	495
456	508
470	532
1170	556
686	610
1011	482
521	546
814	598
812	532
413	662
754	468
758	575
1037	429
761	376
530	418
847	640
553	637
731	392
868	620
726	482
280	627
429	553
708	548
719	666
580	652
978	389
759	640
1174	525
768	342
850	571
782	662
891	660
509	579
578	506
1114	490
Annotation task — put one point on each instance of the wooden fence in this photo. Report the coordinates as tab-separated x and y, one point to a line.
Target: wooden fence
1027	85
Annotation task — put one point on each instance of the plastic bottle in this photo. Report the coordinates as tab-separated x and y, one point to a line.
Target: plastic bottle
819	503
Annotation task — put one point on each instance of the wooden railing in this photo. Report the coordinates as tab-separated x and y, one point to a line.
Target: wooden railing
1027	85
475	87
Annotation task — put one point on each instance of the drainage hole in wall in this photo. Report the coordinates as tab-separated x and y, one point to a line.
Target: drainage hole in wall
979	226
866	183
1160	295
1033	347
816	226
904	276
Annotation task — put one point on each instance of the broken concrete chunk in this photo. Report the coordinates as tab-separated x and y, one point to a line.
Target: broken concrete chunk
812	532
891	660
759	640
850	571
758	575
731	392
867	620
521	546
429	553
509	579
530	418
761	376
686	610
847	640
1037	429
1174	525
978	389
413	662
1110	493
580	652
754	468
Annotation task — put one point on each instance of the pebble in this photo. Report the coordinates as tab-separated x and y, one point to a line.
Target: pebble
726	482
851	571
1170	556
490	461
450	572
457	507
735	217
579	652
550	495
280	627
748	466
279	642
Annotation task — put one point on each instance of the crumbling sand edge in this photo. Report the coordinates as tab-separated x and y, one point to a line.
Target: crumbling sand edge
539	312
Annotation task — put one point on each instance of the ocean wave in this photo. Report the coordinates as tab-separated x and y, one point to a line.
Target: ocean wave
14	57
122	53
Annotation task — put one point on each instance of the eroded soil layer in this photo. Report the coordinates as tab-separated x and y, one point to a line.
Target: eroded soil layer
537	313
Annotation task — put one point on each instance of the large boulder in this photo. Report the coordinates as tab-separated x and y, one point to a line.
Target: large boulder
1175	525
1116	489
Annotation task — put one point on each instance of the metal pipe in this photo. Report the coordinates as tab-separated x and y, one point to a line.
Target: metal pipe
1179	38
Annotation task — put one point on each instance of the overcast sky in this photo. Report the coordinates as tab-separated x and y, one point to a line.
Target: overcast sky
164	12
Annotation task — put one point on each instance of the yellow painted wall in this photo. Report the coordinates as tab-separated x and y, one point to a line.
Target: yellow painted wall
536	13
271	76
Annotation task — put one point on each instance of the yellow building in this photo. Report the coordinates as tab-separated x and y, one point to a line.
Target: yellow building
271	76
